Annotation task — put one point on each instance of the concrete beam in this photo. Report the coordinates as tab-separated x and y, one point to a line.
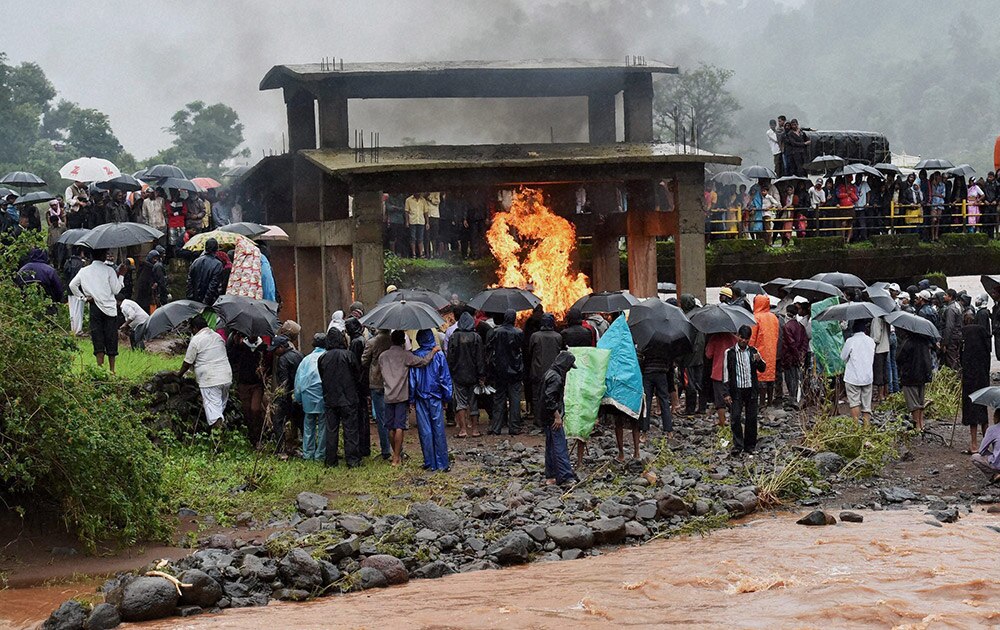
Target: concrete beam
606	274
301	111
601	118
689	244
369	264
282	261
334	130
309	291
639	240
336	278
638	104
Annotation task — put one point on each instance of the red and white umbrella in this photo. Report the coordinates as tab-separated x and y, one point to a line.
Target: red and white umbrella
89	169
206	182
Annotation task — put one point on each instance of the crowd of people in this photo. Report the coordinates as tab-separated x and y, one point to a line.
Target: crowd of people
436	224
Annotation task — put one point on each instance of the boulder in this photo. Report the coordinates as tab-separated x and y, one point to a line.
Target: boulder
749	501
371	578
103	617
309	503
300	570
290	594
310	525
572	554
897	494
219	541
817	517
390	566
261	569
144	598
571	536
345	549
358	525
488	509
537	533
668	505
71	615
433	570
646	511
329	572
204	591
851	517
432	516
949	515
635	529
829	463
608	531
514	548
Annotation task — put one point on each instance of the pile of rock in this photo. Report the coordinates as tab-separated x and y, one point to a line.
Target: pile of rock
175	404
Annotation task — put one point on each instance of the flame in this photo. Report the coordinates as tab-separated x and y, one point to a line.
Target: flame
532	246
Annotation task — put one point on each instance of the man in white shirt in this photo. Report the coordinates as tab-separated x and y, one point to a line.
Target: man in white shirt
859	356
206	353
98	283
135	322
775	146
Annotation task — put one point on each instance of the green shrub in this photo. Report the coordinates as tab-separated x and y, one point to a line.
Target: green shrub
937	278
70	440
867	449
819	243
965	240
738	246
895	240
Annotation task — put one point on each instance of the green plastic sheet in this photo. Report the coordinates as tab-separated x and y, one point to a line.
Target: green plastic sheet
827	340
585	387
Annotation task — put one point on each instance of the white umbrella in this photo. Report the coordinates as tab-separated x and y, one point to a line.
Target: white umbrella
274	233
89	169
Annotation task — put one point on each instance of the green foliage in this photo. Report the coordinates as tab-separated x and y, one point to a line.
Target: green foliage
88	131
69	439
395	268
895	240
134	366
819	243
978	239
738	246
699	100
779	483
209	133
937	278
867	449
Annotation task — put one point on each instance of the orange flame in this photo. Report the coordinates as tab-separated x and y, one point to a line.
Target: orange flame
532	245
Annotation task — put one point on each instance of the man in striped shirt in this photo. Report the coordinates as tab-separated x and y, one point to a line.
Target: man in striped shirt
740	368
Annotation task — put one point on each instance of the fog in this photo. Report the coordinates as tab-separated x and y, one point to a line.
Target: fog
921	71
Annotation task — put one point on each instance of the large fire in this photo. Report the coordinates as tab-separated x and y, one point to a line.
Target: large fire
532	246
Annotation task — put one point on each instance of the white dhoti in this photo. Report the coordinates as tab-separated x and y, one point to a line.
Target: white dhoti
75	314
214	400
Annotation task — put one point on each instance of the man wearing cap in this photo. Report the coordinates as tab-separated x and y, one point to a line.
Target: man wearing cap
286	362
99	283
725	295
740	365
206	353
308	392
924	307
558	469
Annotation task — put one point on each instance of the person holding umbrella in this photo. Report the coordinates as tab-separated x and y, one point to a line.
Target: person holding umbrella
203	276
206	353
430	386
741	364
975	364
98	284
858	355
505	363
71	267
395	364
915	371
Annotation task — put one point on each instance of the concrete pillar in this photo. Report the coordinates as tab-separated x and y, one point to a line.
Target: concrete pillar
282	260
306	182
309	291
334	130
640	240
638	105
301	110
369	263
606	274
336	278
601	119
689	244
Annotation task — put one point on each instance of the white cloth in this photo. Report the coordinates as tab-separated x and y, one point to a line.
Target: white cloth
880	333
214	400
154	213
101	283
859	355
134	315
75	314
207	353
817	197
772	141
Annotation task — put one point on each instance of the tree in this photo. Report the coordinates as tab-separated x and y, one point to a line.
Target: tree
24	96
697	99
87	131
210	133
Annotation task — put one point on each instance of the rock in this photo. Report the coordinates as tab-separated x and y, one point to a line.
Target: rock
433	570
186	513
669	505
569	536
701	507
817	517
261	569
611	508
426	535
851	517
204	591
514	548
571	554
897	494
290	594
949	515
345	549
188	611
371	578
537	533
734	507
390	566
608	531
749	501
829	463
145	598
933	522
477	565
994	528
646	511
635	529
488	509
299	570
71	615
244	518
219	541
474	492
355	525
475	544
103	617
432	516
329	572
309	503
310	525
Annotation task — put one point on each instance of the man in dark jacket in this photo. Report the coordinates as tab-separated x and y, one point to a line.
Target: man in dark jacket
150	281
286	363
250	369
341	374
551	409
203	277
542	350
794	347
574	334
467	362
355	332
693	364
742	363
915	371
505	363
38	271
531	325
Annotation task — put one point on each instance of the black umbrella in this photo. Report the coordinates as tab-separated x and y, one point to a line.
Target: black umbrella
435	300
721	318
22	178
885	167
245	228
822	163
881	298
758	172
162	171
237	171
962	170
606	302
990	283
499	300
931	164
119	235
70	237
140	174
857	169
841	280
253	318
812	290
777	286
402	315
913	323
730	178
987	396
34	197
851	311
169	316
793	178
748	287
177	183
124	182
658	326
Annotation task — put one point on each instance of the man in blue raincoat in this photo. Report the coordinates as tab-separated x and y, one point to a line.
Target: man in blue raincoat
430	387
308	392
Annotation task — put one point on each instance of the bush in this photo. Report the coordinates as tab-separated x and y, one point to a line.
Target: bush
738	246
936	278
819	243
965	240
70	440
866	449
895	240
